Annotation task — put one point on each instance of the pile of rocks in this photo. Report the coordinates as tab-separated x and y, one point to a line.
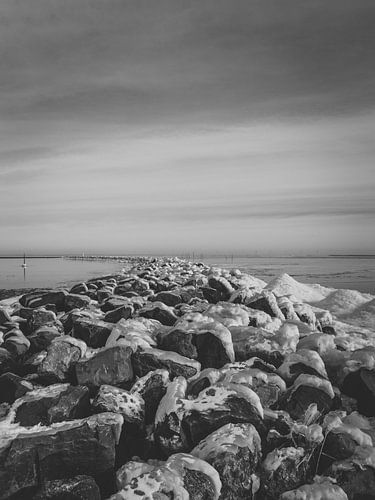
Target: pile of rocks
174	380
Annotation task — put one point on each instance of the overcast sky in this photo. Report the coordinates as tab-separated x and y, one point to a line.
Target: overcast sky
169	126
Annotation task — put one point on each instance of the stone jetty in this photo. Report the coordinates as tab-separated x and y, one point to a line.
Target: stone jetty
175	380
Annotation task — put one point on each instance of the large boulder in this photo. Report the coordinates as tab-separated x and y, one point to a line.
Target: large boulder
43	297
61	356
182	476
149	359
13	387
74	488
159	311
76	301
93	332
235	452
151	387
110	365
29	459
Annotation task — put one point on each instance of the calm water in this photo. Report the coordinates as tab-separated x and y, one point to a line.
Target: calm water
52	272
338	272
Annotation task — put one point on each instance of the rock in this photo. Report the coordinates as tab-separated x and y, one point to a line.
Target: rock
211	294
62	354
15	342
266	301
178	341
41	317
222	286
7	362
43	297
116	400
79	288
319	342
149	359
41	338
55	403
235	452
212	340
75	488
323	488
151	387
76	301
110	366
13	387
168	298
181	476
356	475
114	302
93	332
122	312
306	390
282	470
361	386
59	452
4	316
160	312
303	361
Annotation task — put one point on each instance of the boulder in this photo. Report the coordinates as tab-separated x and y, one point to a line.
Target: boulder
40	317
322	488
7	361
222	286
361	386
266	301
62	451
76	301
4	316
149	359
125	311
116	400
74	488
181	476
79	288
15	342
61	356
93	332
160	312
151	387
110	366
282	470
306	390
235	452
42	338
55	403
13	387
42	297
168	298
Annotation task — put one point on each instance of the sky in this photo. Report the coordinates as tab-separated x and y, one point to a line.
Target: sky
170	126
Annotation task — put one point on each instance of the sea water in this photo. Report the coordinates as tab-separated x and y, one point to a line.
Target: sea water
356	273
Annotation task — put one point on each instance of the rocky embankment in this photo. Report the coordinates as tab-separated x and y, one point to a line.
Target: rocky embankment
175	381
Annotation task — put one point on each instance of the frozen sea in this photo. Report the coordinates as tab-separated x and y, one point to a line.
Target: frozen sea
357	273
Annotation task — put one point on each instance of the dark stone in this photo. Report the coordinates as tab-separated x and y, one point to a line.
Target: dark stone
64	452
93	332
358	482
111	366
212	295
360	385
12	387
4	316
122	312
16	343
56	405
114	302
198	485
75	488
160	312
58	365
42	338
80	288
179	341
76	301
168	298
147	360
296	402
223	287
40	317
211	352
329	330
267	303
291	473
43	297
152	388
337	446
7	361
